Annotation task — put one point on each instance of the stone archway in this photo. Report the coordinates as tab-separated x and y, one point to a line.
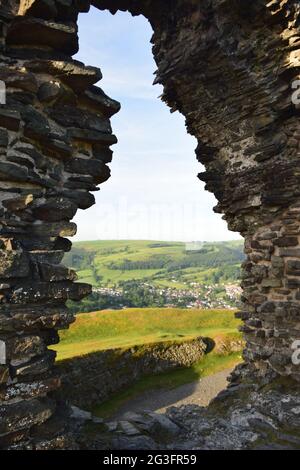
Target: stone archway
228	66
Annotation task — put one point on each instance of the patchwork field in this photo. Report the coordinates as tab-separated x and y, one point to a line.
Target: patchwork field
109	262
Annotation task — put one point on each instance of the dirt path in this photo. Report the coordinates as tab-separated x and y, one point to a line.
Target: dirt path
198	393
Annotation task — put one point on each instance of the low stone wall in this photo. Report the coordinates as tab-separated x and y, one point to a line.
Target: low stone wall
91	379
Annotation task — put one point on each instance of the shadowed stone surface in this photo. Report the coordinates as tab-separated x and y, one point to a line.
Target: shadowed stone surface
228	66
91	379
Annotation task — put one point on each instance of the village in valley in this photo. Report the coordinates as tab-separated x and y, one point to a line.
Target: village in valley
194	296
146	274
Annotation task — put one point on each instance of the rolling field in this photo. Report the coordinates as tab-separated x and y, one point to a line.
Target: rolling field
111	329
109	262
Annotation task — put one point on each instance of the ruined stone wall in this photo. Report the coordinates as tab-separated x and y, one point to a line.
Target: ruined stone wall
91	379
228	66
55	136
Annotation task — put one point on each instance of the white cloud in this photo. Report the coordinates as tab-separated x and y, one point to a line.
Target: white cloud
154	192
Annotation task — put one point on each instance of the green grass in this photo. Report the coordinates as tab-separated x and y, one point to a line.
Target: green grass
96	256
211	364
112	329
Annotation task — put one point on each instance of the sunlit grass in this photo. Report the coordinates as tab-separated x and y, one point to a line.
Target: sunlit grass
112	329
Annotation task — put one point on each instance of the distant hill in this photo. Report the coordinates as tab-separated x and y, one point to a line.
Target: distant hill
174	264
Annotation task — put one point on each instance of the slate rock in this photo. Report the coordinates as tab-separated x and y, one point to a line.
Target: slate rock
46	291
35	31
74	73
49	91
91	136
55	273
9	119
24	348
17	77
25	414
31	389
62	229
36	366
82	415
46	256
72	116
4	374
45	9
55	209
97	99
96	168
3	138
13	263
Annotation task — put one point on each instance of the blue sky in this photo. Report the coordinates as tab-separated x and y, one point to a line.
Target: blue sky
154	192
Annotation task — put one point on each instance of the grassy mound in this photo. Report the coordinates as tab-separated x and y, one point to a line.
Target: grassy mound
111	329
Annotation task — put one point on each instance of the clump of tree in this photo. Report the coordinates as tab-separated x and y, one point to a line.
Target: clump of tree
95	302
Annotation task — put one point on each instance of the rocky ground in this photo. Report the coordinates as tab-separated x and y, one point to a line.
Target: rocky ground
243	416
200	393
240	417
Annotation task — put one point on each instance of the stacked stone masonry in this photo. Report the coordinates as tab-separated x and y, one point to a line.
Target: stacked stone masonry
89	380
228	66
55	139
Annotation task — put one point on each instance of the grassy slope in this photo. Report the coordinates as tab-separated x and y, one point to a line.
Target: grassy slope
124	328
103	252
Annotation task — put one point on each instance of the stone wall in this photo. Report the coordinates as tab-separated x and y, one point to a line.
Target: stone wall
229	67
89	380
55	139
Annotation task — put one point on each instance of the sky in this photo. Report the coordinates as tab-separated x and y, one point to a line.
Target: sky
154	192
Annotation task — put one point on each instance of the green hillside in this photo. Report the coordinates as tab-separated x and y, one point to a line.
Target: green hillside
166	264
111	329
125	328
